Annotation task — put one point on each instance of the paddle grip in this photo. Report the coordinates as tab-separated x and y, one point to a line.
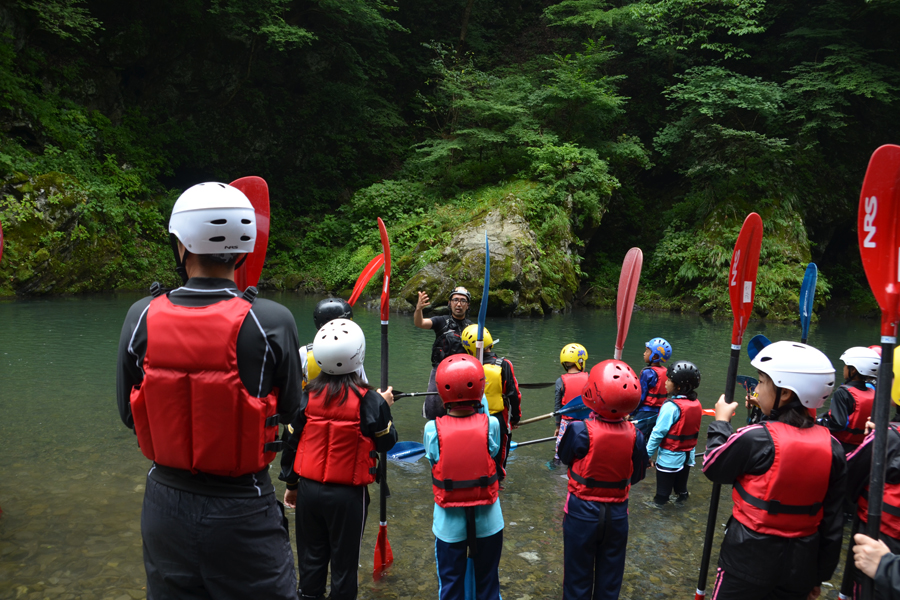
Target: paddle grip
881	416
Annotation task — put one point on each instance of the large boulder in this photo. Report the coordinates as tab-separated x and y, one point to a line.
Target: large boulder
516	287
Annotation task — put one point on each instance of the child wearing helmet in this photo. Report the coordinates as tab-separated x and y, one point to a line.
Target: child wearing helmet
851	404
326	310
789	476
606	456
460	447
653	385
859	464
675	434
501	389
573	358
329	460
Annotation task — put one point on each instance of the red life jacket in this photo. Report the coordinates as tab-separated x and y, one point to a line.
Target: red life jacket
890	509
787	499
332	447
573	384
465	474
684	432
657	394
192	411
862	410
604	474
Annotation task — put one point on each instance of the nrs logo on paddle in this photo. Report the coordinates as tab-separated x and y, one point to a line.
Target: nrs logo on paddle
869	221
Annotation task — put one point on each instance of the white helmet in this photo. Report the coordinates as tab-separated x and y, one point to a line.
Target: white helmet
864	360
339	347
800	368
214	218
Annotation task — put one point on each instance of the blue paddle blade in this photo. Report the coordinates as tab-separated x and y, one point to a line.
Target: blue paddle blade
807	296
482	311
576	409
406	451
748	383
756	344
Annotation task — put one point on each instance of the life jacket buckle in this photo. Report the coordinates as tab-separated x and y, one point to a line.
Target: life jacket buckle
250	294
272	421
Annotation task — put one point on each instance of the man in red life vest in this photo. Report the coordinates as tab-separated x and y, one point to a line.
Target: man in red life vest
606	456
204	377
573	359
789	477
851	403
467	515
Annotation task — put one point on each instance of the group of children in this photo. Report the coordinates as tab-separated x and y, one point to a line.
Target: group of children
789	475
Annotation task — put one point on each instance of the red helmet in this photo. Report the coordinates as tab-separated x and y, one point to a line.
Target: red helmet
460	378
612	390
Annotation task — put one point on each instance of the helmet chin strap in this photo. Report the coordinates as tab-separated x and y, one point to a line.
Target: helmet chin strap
179	263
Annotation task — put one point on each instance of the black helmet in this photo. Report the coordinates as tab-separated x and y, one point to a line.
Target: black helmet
330	309
685	375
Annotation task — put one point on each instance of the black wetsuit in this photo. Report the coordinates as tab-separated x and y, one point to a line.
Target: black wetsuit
331	517
751	564
224	535
433	407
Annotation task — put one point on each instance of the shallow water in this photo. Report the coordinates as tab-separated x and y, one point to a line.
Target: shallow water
72	477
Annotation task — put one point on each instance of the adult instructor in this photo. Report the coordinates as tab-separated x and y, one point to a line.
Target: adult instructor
447	331
204	376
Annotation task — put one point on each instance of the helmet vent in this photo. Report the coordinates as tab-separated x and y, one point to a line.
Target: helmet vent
340	364
765	359
219	222
218	238
245	221
470	384
245	238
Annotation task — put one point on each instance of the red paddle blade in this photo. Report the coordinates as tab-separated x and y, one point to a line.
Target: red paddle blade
742	275
256	189
628	284
364	277
386	289
384	556
879	232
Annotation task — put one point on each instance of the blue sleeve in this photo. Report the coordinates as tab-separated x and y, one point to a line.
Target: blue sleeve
639	458
493	436
575	443
430	441
649	379
668	414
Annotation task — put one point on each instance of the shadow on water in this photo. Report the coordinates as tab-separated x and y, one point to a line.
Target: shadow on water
73	478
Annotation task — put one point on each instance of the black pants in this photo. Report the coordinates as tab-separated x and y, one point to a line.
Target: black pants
330	523
666	481
200	547
728	587
505	438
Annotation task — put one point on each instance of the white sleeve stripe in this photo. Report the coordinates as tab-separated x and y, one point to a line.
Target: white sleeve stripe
131	341
200	291
262	371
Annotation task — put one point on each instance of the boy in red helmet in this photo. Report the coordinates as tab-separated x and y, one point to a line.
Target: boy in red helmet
467	517
606	455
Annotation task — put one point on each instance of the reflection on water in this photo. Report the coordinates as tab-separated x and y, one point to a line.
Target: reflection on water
72	477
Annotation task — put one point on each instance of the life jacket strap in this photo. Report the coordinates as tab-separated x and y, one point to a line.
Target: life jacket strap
450	484
272	421
885	507
594	483
774	507
275	446
250	294
681	438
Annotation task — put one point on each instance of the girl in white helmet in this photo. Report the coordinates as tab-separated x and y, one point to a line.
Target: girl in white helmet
851	404
329	460
789	476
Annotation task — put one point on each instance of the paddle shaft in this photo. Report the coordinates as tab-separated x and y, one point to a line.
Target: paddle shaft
730	381
529	442
881	415
383	489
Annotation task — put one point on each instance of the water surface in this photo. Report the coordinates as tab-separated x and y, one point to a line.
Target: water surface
72	477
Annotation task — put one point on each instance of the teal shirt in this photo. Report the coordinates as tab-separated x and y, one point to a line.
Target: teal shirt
450	523
667	459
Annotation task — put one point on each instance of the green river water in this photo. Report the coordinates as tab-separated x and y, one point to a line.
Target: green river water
72	476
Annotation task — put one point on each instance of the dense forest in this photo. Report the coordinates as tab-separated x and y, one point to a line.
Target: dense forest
586	126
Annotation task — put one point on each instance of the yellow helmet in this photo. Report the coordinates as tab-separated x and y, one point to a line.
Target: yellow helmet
575	354
895	388
470	336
